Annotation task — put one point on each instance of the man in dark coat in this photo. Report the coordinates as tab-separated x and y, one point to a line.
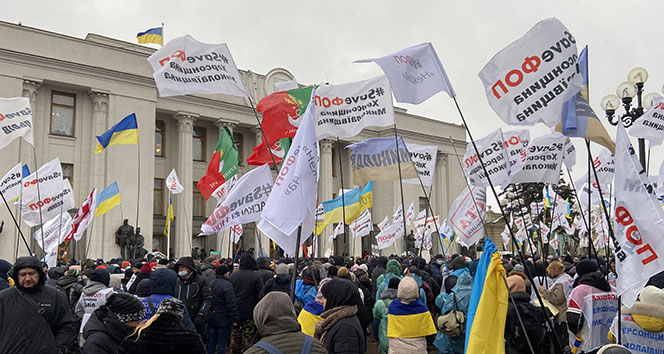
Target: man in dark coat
32	311
5	267
378	270
264	271
224	311
247	286
111	323
280	282
194	290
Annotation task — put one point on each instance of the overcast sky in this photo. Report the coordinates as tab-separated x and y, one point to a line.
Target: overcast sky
318	40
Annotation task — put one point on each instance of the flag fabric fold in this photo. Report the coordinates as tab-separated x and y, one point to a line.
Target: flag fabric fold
173	184
125	132
378	159
107	199
223	165
152	35
169	217
16	120
83	217
282	113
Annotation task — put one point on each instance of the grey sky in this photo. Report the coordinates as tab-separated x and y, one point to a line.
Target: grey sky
318	40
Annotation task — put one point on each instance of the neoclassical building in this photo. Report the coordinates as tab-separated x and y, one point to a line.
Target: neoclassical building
79	88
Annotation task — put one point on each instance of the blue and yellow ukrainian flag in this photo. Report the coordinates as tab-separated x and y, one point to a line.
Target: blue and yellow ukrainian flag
153	35
124	132
309	316
409	320
108	199
169	216
487	311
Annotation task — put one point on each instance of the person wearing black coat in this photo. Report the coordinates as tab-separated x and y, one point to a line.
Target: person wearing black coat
144	273
223	313
4	270
264	271
111	323
193	289
378	270
247	286
340	329
280	282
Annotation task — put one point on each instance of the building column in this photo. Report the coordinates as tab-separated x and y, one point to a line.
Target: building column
325	192
98	239
226	235
182	238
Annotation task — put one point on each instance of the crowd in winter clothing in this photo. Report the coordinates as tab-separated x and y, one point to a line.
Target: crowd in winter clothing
337	305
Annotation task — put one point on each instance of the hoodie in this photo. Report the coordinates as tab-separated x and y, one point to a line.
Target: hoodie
392	270
247	286
94	296
162	286
408	320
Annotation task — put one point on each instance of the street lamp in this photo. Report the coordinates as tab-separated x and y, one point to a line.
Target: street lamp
625	93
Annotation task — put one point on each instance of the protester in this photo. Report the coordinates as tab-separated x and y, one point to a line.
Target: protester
143	273
278	328
224	311
193	290
5	267
162	286
521	314
380	312
34	318
95	294
280	282
247	286
642	325
164	333
305	288
340	329
310	313
458	299
408	321
556	295
393	269
264	271
111	323
71	287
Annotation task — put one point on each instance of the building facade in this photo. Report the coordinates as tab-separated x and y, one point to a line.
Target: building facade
78	88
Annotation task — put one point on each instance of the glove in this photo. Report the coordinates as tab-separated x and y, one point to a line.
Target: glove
200	323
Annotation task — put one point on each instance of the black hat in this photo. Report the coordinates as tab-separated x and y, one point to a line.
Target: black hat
126	307
394	283
101	276
171	306
586	266
221	270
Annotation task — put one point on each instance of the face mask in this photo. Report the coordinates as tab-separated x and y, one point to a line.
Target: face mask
182	273
439	262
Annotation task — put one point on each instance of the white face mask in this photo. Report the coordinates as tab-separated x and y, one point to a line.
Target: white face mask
183	273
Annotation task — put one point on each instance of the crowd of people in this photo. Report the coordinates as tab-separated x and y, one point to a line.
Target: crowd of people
338	305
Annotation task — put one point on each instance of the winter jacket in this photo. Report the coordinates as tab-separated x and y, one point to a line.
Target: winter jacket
224	308
94	296
556	296
193	290
340	329
378	271
21	325
5	267
162	285
264	271
346	337
166	335
409	321
207	270
380	313
303	292
103	333
533	320
281	282
393	270
139	276
72	289
445	302
247	286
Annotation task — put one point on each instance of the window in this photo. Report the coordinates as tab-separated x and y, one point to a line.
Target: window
159	138
63	113
198	206
158	201
238	140
199	144
68	172
423	203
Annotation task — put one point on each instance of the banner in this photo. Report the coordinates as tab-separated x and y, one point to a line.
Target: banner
494	157
530	80
83	217
650	125
543	161
173	184
397	217
415	73
244	203
467	215
599	310
362	226
293	201
424	159
220	193
383	224
639	224
605	165
344	110
10	185
378	159
15	120
54	194
338	230
55	231
387	237
516	144
187	66
410	214
569	154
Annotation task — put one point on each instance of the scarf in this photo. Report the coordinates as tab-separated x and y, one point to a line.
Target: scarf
330	318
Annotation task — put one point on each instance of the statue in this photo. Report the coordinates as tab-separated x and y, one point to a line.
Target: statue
136	243
122	236
410	242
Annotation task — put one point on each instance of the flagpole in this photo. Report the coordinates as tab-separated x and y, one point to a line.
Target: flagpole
89	239
62	206
138	181
163	38
17	224
343	199
41	221
297	260
403	207
169	213
20	211
509	228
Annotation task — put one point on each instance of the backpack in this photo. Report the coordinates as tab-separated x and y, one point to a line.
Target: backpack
271	349
452	323
536	326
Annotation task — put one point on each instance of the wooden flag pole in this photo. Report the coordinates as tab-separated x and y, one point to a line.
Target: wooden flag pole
403	207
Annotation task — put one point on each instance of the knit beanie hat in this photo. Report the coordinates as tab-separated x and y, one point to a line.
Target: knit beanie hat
101	276
126	307
221	270
585	266
394	283
516	284
146	268
364	267
281	268
172	306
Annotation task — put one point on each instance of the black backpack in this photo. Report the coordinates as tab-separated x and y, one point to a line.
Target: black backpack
536	326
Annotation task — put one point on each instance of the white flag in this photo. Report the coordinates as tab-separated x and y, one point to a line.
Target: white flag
344	110
397	217
494	157
383	224
424	159
544	232
569	154
410	214
296	185
338	230
10	185
387	237
185	66
55	231
243	204
506	237
415	73
605	165
361	226
222	191
15	120
83	217
639	221
420	224
173	184
543	161
467	215
49	197
286	85
650	125
236	233
516	143
529	80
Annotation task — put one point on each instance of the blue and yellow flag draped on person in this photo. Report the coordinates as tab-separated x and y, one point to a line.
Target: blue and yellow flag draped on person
169	216
108	199
355	202
153	35
409	320
125	132
309	316
487	311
